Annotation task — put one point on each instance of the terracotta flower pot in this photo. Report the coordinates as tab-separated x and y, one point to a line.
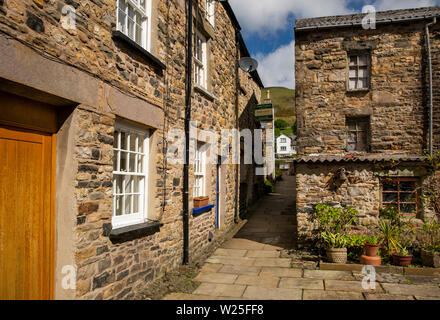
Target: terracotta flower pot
430	259
337	255
371	261
371	250
200	202
403	261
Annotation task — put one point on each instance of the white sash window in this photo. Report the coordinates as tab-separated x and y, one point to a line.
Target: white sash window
133	19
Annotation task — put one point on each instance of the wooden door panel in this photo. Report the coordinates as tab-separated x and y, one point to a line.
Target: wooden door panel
25	214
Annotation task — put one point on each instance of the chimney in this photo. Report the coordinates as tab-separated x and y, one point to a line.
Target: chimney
268	100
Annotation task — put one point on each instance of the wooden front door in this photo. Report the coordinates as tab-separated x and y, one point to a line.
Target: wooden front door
26	214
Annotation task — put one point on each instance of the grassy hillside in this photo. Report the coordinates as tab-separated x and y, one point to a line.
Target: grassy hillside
283	100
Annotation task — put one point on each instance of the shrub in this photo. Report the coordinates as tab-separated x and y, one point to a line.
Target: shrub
268	187
430	236
278	174
335	220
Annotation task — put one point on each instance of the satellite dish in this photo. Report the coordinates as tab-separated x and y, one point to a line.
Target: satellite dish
247	64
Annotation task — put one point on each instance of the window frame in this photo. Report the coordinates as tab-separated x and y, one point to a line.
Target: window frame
283	148
200	155
398	192
146	23
356	120
357	54
210	11
142	215
201	64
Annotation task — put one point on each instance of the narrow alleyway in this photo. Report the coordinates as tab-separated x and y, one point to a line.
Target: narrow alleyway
254	265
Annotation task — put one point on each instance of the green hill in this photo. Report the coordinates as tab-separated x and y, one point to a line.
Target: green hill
283	100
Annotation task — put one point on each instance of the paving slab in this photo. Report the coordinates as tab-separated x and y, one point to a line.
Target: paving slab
263	254
272	262
329	275
260	293
230	252
281	272
389	297
258	281
240	270
301	283
243	244
220	290
331	295
412	290
426	298
224	278
350	286
211	267
234	261
340	267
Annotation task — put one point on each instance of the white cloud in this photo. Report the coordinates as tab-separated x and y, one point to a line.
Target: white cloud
277	69
268	16
382	5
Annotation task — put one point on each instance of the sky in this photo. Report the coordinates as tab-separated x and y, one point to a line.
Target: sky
267	28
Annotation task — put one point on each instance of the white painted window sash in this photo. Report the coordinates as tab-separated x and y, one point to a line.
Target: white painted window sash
200	60
141	20
134	176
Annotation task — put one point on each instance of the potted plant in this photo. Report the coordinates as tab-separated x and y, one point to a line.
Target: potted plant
371	248
336	247
200	202
430	244
389	236
402	258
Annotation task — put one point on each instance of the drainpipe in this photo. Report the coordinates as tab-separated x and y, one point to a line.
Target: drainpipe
237	88
187	139
428	41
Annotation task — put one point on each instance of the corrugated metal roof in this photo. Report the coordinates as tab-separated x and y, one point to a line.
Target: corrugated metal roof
359	159
356	19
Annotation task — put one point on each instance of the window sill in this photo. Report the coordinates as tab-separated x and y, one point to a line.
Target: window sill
358	90
154	61
205	92
199	211
135	231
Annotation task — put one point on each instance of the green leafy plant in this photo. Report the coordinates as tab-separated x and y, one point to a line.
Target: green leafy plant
430	236
371	240
334	240
403	252
268	187
388	235
335	220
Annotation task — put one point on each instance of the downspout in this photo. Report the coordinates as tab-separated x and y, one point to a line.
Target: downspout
187	139
237	88
428	41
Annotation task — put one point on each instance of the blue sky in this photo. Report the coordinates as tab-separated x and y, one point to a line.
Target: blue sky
267	27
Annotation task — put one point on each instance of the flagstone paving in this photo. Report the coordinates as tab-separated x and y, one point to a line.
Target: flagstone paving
252	266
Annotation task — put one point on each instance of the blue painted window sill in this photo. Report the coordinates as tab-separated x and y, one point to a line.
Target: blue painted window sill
199	211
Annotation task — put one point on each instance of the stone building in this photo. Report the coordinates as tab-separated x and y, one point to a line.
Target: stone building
89	91
362	98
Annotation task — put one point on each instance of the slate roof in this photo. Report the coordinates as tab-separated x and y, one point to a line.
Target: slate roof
356	19
359	159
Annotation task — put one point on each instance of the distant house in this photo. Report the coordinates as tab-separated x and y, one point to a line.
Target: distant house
284	146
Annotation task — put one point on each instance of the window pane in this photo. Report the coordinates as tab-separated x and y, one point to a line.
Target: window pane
121	21
118	206
352	84
128	184
137	181
140	144
118	183
123	141
116	140
132	162
407	186
408	208
140	165
136	204
132	142
142	4
131	17
128	205
115	161
390	197
353	61
408	197
352	73
363	60
123	165
390	186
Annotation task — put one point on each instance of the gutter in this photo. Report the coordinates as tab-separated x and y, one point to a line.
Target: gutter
187	138
428	42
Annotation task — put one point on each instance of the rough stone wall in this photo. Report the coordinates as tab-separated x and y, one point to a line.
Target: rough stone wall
435	38
396	104
107	270
395	101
